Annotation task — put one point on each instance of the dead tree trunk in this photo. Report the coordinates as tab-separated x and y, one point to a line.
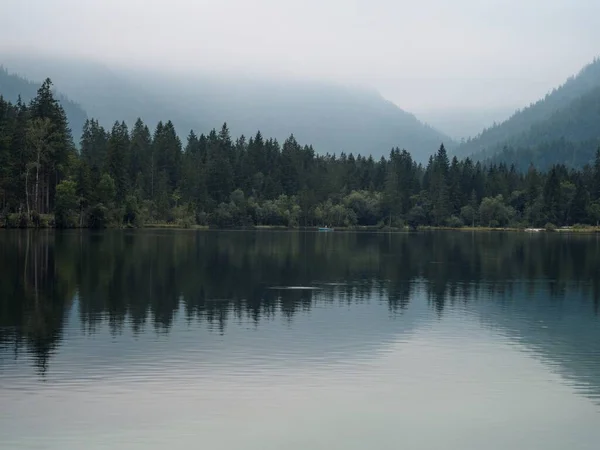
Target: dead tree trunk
27	189
37	182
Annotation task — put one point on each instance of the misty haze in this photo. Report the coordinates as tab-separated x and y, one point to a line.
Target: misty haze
299	224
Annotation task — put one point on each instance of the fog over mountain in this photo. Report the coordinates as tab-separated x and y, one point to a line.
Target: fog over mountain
332	117
458	66
560	128
460	123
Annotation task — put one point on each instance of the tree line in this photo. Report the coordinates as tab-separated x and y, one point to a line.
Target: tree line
122	177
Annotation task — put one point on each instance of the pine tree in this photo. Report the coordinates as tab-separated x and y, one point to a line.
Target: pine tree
5	159
408	183
140	153
597	175
391	194
59	143
454	186
219	179
118	158
437	176
93	145
552	196
17	123
580	201
272	170
533	185
442	161
193	183
290	174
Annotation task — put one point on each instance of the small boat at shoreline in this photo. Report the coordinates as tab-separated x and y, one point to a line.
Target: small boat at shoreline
325	229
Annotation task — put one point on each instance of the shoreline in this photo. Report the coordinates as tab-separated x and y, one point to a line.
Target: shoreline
583	229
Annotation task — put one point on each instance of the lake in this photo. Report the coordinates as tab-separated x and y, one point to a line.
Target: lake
299	340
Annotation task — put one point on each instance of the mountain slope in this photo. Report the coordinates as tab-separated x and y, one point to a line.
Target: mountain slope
544	156
12	86
332	118
570	136
568	112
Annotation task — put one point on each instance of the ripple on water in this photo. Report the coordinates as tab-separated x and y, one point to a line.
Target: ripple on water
383	352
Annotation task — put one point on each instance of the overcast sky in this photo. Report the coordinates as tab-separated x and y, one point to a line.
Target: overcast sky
424	55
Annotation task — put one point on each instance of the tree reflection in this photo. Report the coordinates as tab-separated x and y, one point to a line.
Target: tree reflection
141	278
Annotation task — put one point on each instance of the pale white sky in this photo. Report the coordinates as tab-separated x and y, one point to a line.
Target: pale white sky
426	55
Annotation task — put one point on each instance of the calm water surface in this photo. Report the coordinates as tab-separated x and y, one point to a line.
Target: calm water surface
266	340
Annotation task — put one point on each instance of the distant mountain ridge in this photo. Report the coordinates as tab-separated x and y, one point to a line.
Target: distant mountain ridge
331	118
570	136
13	86
569	115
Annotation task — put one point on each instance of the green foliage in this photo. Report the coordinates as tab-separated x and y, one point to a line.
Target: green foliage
594	212
365	205
65	208
469	215
336	215
20	220
107	190
223	216
416	217
132	179
493	212
283	211
455	222
184	215
118	158
133	213
535	213
98	216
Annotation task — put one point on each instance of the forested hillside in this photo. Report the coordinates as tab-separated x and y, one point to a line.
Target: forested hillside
13	86
133	177
333	118
570	113
548	154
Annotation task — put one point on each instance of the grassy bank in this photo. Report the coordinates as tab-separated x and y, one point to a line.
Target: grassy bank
574	229
46	221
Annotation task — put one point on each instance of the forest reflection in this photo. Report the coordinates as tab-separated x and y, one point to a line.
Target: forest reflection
144	278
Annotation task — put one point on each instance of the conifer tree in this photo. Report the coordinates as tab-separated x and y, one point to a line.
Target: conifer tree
118	159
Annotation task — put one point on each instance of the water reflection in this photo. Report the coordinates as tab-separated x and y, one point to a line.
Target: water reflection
140	277
211	318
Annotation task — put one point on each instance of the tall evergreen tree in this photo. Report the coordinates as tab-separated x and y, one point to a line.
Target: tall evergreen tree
194	172
59	143
118	158
552	196
290	173
140	154
597	175
580	201
220	174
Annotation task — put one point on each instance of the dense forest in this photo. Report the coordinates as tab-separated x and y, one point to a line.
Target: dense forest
547	154
570	136
123	177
